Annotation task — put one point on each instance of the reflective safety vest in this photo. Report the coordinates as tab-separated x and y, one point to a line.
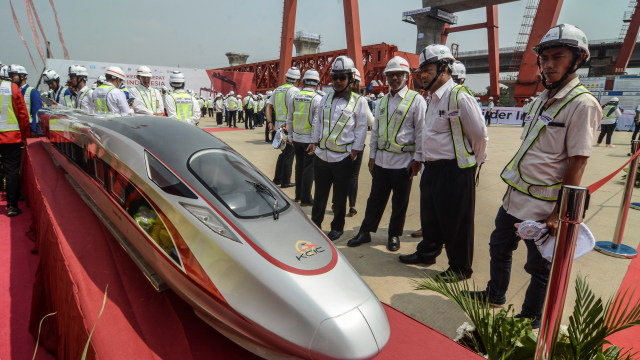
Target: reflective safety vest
330	135
245	101
27	101
302	112
232	104
149	97
78	104
63	99
100	98
609	112
539	118
256	102
388	128
8	118
464	156
184	105
280	103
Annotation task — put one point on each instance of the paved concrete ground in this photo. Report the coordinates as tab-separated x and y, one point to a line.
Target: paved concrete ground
392	280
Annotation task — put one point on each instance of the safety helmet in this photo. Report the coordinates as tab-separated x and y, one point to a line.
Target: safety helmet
249	93
231	93
564	35
269	92
490	97
50	75
356	75
16	69
436	53
239	96
614	100
380	95
293	73
279	140
531	98
176	77
144	71
342	65
116	72
4	72
78	70
312	76
397	63
458	70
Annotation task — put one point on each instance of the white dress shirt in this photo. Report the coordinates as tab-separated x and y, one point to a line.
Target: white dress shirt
315	105
412	125
435	141
85	97
116	102
355	130
143	97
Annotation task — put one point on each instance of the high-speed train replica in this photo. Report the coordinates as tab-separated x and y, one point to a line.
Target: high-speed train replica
213	228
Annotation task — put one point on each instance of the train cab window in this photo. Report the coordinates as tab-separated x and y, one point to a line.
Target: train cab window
164	178
237	184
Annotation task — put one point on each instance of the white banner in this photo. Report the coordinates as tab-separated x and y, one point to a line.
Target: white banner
195	79
505	115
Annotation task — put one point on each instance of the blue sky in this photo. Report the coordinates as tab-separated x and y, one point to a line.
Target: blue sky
198	33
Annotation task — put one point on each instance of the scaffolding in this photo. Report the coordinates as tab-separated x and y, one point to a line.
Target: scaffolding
530	11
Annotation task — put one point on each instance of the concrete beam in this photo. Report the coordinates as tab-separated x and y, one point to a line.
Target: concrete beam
236	58
454	6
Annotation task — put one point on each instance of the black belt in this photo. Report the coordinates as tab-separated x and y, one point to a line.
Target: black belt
443	162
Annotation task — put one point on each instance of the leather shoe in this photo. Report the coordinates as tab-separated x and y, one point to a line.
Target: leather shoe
417	234
303	204
451	276
393	244
334	234
416	259
361	238
287	185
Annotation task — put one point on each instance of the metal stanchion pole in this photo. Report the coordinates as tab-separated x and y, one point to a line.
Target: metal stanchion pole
616	247
571	212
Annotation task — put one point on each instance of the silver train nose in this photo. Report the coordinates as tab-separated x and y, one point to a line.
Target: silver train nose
359	333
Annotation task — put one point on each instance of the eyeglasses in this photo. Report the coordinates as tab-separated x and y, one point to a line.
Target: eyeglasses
339	77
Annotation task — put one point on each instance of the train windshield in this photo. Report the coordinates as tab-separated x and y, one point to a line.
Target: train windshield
237	184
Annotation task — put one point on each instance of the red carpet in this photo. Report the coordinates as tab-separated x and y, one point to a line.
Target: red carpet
79	258
630	338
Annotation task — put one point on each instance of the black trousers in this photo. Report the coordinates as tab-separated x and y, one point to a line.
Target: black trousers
633	136
248	122
325	175
606	129
219	118
11	156
304	172
384	181
210	112
284	165
487	118
353	185
447	206
231	117
240	115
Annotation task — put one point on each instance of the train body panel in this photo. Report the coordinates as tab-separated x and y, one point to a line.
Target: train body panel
221	235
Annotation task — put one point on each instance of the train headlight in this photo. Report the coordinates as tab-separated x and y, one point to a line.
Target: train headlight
211	220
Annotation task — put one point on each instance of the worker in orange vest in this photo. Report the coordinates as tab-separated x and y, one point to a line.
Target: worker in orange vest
14	130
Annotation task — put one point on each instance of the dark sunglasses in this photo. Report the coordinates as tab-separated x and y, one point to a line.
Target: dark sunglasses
339	77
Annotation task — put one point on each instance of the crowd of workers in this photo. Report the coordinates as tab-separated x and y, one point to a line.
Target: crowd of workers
443	137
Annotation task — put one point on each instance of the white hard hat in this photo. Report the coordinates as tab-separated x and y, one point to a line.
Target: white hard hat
490	97
17	69
311	75
4	72
78	70
531	98
397	63
231	93
50	75
380	95
116	72
102	78
564	35
436	53
239	96
144	71
614	99
356	75
176	77
342	65
459	70
293	73
269	92
249	93
279	140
